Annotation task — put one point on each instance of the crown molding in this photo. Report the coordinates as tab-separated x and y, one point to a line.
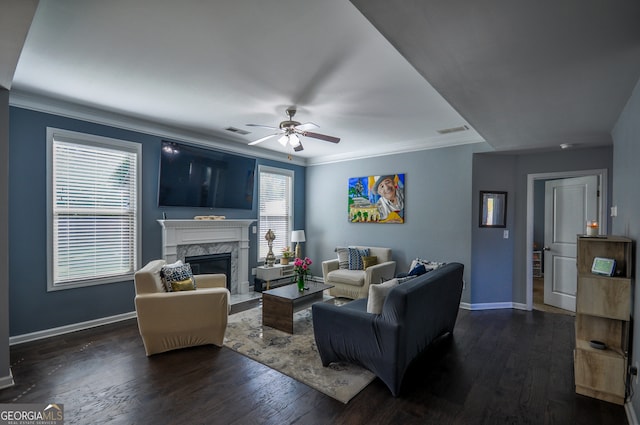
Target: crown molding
67	109
397	148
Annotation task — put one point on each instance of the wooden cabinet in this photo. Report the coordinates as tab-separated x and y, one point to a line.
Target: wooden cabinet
603	305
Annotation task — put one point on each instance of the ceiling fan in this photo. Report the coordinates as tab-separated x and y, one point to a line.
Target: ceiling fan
290	132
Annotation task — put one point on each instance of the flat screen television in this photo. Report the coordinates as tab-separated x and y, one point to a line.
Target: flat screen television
192	176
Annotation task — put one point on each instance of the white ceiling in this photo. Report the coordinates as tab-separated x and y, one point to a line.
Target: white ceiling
525	74
205	66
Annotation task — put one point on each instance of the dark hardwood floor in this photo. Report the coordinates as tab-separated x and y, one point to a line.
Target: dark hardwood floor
500	367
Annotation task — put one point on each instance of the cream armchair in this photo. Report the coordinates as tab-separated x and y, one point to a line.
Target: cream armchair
354	284
172	320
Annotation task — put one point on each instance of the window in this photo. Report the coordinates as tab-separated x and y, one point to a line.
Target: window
93	209
275	209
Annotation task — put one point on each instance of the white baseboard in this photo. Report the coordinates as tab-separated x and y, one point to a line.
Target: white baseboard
7	381
631	414
493	306
33	336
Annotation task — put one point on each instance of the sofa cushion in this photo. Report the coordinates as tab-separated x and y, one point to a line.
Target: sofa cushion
176	272
377	295
347	277
343	257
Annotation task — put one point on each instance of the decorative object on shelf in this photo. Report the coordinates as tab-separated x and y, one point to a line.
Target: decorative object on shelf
287	254
297	236
270	259
301	268
376	199
210	217
592	228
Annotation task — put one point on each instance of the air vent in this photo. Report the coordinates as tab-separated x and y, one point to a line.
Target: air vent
238	131
453	129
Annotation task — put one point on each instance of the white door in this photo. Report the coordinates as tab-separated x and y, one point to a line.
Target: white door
569	203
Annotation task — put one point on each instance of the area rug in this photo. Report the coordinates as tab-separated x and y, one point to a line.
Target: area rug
294	355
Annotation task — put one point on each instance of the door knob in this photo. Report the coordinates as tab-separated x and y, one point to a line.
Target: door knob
546	248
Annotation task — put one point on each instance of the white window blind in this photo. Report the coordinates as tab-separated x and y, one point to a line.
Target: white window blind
276	209
94	204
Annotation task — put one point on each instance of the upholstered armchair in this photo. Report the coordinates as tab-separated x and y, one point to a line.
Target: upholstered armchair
354	284
173	320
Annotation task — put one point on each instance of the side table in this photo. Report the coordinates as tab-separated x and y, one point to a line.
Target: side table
277	271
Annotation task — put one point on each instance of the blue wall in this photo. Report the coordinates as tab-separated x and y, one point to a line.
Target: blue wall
626	195
438	208
32	308
513	171
492	254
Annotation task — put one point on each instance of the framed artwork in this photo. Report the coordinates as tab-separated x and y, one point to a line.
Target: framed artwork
376	199
493	209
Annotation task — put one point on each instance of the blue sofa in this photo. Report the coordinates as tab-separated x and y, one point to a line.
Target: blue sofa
414	314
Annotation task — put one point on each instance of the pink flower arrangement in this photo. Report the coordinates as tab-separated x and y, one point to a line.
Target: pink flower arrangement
301	267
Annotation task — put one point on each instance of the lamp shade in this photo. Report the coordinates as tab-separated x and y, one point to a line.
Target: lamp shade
297	236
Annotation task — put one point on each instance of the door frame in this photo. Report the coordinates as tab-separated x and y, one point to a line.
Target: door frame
531	178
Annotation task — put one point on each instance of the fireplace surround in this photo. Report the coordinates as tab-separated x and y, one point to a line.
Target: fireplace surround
189	238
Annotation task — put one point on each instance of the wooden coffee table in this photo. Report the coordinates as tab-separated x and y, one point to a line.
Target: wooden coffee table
279	304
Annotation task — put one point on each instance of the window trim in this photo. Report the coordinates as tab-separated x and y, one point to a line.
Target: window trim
284	172
97	141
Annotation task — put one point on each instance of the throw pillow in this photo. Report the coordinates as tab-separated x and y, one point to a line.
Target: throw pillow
418	270
355	258
343	257
378	293
369	260
428	265
404	279
174	273
183	285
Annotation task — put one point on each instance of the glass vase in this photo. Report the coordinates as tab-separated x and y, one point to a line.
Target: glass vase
301	282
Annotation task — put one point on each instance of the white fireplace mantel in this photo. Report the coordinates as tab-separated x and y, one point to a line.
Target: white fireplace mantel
177	233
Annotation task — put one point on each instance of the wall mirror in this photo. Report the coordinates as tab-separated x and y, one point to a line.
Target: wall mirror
493	209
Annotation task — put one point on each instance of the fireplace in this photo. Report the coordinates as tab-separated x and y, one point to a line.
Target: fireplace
211	264
191	238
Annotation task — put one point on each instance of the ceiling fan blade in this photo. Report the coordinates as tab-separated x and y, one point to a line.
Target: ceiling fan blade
262	139
307	126
298	148
321	137
262	126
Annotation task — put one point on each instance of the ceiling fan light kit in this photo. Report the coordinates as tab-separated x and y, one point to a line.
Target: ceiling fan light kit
290	132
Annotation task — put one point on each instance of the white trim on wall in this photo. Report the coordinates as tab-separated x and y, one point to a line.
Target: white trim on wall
34	336
61	108
493	306
7	381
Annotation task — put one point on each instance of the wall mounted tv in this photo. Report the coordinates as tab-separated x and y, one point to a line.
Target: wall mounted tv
191	176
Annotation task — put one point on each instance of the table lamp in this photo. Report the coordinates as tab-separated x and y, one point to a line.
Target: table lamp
297	236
